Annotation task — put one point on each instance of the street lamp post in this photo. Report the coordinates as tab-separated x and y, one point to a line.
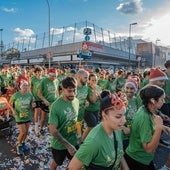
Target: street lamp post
130	25
1	41
155	52
49	56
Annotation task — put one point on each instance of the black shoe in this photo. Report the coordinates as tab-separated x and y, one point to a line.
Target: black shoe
42	131
164	142
24	147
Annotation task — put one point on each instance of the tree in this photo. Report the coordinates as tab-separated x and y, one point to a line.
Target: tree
12	53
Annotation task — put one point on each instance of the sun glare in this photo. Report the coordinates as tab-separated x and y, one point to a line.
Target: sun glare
159	29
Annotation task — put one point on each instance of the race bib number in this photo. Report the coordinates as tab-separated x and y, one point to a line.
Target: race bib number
71	128
23	114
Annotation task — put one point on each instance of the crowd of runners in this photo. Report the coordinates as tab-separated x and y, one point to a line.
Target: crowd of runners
98	119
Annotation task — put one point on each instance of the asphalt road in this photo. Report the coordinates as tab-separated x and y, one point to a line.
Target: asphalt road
40	152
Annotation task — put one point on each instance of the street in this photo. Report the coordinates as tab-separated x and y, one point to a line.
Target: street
39	156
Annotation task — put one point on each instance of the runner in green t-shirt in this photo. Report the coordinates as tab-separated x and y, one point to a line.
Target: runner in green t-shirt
5	79
91	115
145	79
22	102
131	88
102	148
48	93
120	80
102	81
82	93
35	81
62	123
111	84
146	130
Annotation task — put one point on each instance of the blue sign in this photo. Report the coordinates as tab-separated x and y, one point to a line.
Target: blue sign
87	31
84	55
87	38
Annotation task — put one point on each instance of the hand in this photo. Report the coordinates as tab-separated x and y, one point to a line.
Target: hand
71	149
46	103
126	130
93	86
168	97
33	105
158	121
14	113
166	129
164	117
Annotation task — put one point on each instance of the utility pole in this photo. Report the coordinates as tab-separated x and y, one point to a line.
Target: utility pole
1	45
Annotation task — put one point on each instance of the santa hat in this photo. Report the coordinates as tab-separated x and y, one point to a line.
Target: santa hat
52	71
23	82
133	82
157	74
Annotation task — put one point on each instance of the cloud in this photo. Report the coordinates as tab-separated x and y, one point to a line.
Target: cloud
132	7
25	32
10	10
70	29
56	31
25	39
24	35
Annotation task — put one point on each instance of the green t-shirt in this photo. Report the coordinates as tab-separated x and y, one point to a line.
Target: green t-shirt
34	87
144	82
64	115
5	79
142	130
82	93
98	148
61	77
49	89
22	103
139	100
112	86
104	84
167	88
120	82
131	110
92	107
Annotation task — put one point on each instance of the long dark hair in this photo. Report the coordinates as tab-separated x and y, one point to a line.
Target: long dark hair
150	92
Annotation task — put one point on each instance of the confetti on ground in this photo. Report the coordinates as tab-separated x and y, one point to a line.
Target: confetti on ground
38	156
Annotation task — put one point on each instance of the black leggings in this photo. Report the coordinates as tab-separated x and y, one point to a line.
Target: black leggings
134	165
